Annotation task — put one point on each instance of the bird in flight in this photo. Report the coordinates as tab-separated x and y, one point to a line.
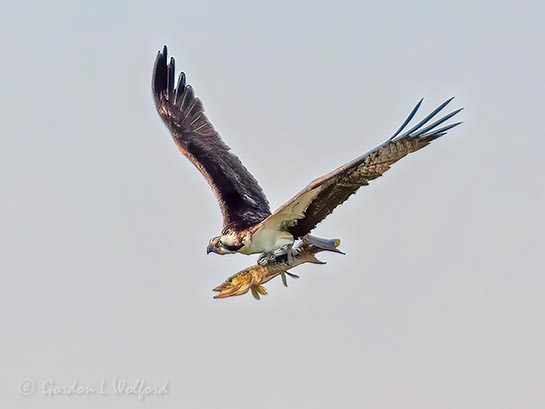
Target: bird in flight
249	227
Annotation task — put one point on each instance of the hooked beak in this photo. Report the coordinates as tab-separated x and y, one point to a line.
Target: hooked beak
209	249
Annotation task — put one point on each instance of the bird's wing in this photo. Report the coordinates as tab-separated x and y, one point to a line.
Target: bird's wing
315	202
241	199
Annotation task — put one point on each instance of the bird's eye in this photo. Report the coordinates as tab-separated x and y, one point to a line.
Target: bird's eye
220	244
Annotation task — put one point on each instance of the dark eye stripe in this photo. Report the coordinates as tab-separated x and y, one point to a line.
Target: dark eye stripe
232	248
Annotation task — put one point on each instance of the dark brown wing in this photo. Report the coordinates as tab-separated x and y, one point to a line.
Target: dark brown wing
302	213
241	199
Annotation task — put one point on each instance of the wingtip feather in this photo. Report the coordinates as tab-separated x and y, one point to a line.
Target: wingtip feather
170	77
429	130
160	74
408	119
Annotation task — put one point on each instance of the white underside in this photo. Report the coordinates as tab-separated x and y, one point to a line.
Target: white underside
271	234
265	241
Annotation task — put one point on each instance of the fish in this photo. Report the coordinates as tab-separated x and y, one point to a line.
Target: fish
253	277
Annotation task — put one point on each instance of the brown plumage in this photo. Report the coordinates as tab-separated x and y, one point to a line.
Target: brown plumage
241	199
248	225
318	199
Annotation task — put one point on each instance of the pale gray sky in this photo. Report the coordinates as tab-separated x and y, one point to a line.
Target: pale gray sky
439	302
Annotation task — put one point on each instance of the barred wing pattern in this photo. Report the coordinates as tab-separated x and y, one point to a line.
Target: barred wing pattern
241	199
302	213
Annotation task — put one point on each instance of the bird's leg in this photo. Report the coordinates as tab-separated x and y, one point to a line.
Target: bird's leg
286	250
265	258
289	253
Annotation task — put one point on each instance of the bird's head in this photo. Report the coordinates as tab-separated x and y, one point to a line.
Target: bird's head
224	244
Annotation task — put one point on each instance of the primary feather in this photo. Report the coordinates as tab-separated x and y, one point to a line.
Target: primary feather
248	225
320	197
241	199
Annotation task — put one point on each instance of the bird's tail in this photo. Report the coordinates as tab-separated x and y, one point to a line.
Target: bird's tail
322	244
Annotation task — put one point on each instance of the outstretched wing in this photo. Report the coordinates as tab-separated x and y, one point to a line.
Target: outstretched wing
309	207
241	199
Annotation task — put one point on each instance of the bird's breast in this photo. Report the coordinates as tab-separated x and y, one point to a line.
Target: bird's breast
265	240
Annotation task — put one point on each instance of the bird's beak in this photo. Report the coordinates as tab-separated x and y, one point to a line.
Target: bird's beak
209	249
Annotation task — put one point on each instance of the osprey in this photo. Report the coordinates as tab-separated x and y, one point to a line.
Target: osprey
248	225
